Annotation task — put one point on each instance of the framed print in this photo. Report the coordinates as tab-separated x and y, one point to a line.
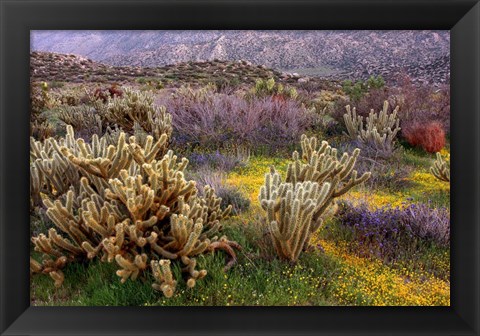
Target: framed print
239	167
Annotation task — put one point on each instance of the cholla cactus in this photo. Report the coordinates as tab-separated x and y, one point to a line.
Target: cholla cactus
441	169
82	117
290	209
138	107
129	208
380	129
294	208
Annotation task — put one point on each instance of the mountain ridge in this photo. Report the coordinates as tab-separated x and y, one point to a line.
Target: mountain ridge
424	55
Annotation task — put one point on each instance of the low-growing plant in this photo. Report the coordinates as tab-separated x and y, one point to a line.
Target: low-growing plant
430	136
389	174
215	121
217	179
104	94
41	100
394	234
41	130
358	89
269	88
84	119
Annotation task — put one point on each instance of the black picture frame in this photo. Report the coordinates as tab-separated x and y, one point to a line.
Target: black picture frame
18	17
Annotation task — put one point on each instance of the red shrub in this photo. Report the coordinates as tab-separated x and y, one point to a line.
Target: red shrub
430	136
105	93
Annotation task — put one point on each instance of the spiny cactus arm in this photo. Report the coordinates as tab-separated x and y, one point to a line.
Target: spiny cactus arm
190	269
146	224
440	169
186	236
92	252
58	277
96	167
50	266
92	221
53	174
136	236
152	240
63	243
131	268
36	186
229	247
163	277
353	122
43	244
352	182
35	266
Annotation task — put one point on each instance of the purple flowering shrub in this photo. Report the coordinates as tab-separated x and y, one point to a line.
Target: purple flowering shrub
214	120
215	160
395	233
229	194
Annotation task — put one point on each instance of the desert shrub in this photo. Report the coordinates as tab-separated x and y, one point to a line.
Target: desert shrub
73	96
295	208
41	130
356	90
129	208
374	99
151	82
395	233
104	94
215	160
429	136
390	174
41	100
215	121
229	194
313	86
269	88
421	103
56	84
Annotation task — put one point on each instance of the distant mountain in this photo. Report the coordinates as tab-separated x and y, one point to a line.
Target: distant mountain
423	54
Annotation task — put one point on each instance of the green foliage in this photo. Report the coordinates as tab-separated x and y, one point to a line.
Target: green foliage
357	90
151	82
268	87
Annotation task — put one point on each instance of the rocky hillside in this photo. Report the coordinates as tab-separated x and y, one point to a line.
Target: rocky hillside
46	66
424	55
